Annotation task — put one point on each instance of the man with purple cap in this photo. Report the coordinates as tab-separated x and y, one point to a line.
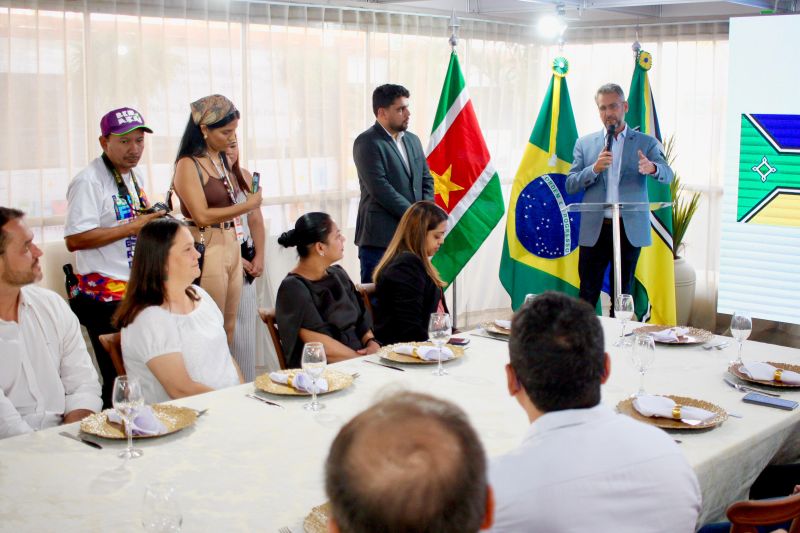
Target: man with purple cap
107	208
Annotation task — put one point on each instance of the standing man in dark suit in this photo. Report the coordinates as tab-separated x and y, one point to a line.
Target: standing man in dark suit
618	174
392	173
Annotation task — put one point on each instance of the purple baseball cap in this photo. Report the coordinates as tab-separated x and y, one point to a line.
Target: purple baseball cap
121	121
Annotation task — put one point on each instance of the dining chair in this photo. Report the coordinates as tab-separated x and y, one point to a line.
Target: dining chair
746	516
112	343
268	317
367	292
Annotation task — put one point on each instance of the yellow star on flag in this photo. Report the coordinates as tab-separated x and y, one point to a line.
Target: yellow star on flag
443	186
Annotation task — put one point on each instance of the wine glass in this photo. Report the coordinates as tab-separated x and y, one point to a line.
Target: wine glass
439	330
161	512
623	310
313	363
127	400
741	327
643	353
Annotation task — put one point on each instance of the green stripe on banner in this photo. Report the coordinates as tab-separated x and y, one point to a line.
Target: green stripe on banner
453	85
467	236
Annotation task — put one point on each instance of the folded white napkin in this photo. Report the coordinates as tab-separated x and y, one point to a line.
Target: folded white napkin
669	335
766	372
426	353
649	405
144	421
300	381
505	324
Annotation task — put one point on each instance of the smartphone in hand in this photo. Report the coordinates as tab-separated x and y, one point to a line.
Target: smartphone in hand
256	181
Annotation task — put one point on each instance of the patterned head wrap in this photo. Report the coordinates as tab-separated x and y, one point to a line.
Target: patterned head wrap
211	109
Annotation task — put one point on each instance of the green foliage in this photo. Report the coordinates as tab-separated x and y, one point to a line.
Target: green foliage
684	205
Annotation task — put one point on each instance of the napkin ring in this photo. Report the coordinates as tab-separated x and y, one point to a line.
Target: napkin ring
778	373
676	412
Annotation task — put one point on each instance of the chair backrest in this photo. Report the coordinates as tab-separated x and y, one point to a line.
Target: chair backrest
367	291
268	317
112	343
747	515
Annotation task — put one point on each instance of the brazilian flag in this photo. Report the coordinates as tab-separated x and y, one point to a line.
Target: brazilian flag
540	250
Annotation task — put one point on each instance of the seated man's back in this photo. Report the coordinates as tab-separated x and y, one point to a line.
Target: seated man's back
581	466
594	470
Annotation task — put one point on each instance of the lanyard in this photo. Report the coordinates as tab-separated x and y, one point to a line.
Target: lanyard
224	177
122	189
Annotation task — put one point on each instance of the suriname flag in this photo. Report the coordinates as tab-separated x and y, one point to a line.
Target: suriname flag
466	185
769	170
540	251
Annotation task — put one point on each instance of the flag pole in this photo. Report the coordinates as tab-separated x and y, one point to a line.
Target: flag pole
454	25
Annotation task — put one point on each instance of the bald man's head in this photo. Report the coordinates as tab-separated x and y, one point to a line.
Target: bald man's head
411	463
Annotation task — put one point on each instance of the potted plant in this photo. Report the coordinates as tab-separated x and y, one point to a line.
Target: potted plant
684	206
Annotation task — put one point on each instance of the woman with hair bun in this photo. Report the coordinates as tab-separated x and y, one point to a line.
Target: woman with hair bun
317	301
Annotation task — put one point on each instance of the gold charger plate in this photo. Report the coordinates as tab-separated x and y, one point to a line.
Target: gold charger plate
387	353
173	417
491	327
735	369
626	407
694	336
336	381
317	519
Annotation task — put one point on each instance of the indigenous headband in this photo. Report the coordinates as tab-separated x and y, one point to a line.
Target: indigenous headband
211	109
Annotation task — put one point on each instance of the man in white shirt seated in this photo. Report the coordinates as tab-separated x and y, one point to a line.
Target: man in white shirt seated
46	375
409	463
581	466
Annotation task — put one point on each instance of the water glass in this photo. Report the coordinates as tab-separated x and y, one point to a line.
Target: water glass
643	353
127	399
623	311
439	330
161	512
313	363
530	297
741	327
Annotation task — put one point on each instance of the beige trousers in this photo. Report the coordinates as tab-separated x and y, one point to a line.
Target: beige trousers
222	272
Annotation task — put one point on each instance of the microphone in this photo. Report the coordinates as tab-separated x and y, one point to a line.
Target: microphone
611	129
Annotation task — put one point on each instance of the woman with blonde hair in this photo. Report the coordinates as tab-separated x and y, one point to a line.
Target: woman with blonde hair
407	286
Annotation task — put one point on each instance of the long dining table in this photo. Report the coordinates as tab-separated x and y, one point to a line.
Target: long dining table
246	465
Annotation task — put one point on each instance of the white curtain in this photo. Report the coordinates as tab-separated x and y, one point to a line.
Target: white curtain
302	77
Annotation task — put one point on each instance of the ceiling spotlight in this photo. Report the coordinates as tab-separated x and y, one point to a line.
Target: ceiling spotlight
551	26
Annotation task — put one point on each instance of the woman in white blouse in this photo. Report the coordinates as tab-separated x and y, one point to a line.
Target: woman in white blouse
173	339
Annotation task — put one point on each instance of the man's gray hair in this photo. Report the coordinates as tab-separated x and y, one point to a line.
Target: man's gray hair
610	88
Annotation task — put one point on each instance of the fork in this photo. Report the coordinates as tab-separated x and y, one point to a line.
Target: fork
284	530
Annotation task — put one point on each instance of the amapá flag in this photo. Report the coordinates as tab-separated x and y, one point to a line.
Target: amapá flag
541	243
654	287
465	183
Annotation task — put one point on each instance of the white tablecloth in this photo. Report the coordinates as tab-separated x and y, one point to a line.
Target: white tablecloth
249	466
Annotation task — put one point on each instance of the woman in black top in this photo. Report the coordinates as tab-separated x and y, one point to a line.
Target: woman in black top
317	301
407	286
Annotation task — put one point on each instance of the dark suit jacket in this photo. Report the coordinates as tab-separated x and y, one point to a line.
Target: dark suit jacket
387	188
406	297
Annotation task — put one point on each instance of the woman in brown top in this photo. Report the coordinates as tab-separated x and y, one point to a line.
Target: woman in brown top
208	192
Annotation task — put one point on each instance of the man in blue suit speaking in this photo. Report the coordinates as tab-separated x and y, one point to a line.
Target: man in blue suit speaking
612	165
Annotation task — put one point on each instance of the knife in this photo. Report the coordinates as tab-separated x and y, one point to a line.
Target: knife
260	399
490	336
81	439
750	389
387	366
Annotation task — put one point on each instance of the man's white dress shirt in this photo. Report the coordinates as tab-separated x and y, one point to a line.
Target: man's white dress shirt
398	142
584	470
45	369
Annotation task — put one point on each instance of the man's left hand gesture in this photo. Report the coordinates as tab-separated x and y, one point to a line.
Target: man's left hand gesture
646	166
